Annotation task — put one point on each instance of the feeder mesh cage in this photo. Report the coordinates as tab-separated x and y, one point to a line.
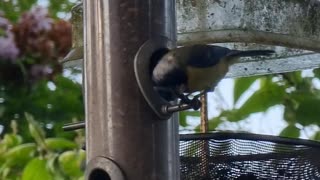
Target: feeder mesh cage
224	156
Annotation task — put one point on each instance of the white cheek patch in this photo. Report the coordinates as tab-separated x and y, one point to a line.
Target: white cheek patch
165	66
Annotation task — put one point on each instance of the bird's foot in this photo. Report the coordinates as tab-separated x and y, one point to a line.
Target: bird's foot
184	99
194	103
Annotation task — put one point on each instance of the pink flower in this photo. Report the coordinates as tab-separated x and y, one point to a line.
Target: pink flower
8	49
4	23
39	18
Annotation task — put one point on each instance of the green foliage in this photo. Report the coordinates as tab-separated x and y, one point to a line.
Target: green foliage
54	107
42	158
213	124
307	111
31	81
19	155
36	169
241	85
290	131
61	7
59	144
268	95
36	131
70	161
294	92
13	9
316	136
184	114
30	72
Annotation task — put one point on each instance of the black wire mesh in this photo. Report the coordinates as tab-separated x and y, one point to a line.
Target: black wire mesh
241	156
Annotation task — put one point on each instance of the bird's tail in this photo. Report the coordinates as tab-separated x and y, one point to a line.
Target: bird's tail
250	53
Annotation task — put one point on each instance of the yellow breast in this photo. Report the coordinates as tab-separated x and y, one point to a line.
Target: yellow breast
205	78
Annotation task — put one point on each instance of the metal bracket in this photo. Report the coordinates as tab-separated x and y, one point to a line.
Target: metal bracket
74	126
142	67
142	64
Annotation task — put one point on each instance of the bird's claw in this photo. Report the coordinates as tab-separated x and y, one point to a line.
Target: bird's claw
195	103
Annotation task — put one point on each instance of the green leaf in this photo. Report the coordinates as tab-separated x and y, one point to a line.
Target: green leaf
290	131
57	144
233	115
11	140
4	172
36	170
183	117
316	136
81	178
290	111
21	154
36	130
293	77
213	124
241	85
70	163
267	96
53	167
317	72
308	111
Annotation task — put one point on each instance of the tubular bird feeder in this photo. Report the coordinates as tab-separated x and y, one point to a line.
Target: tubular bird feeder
290	27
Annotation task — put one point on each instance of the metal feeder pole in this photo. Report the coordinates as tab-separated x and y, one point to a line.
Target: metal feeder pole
124	137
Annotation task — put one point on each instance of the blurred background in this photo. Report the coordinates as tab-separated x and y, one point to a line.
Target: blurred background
38	96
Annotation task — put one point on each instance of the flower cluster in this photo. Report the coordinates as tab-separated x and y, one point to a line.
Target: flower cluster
8	48
30	50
